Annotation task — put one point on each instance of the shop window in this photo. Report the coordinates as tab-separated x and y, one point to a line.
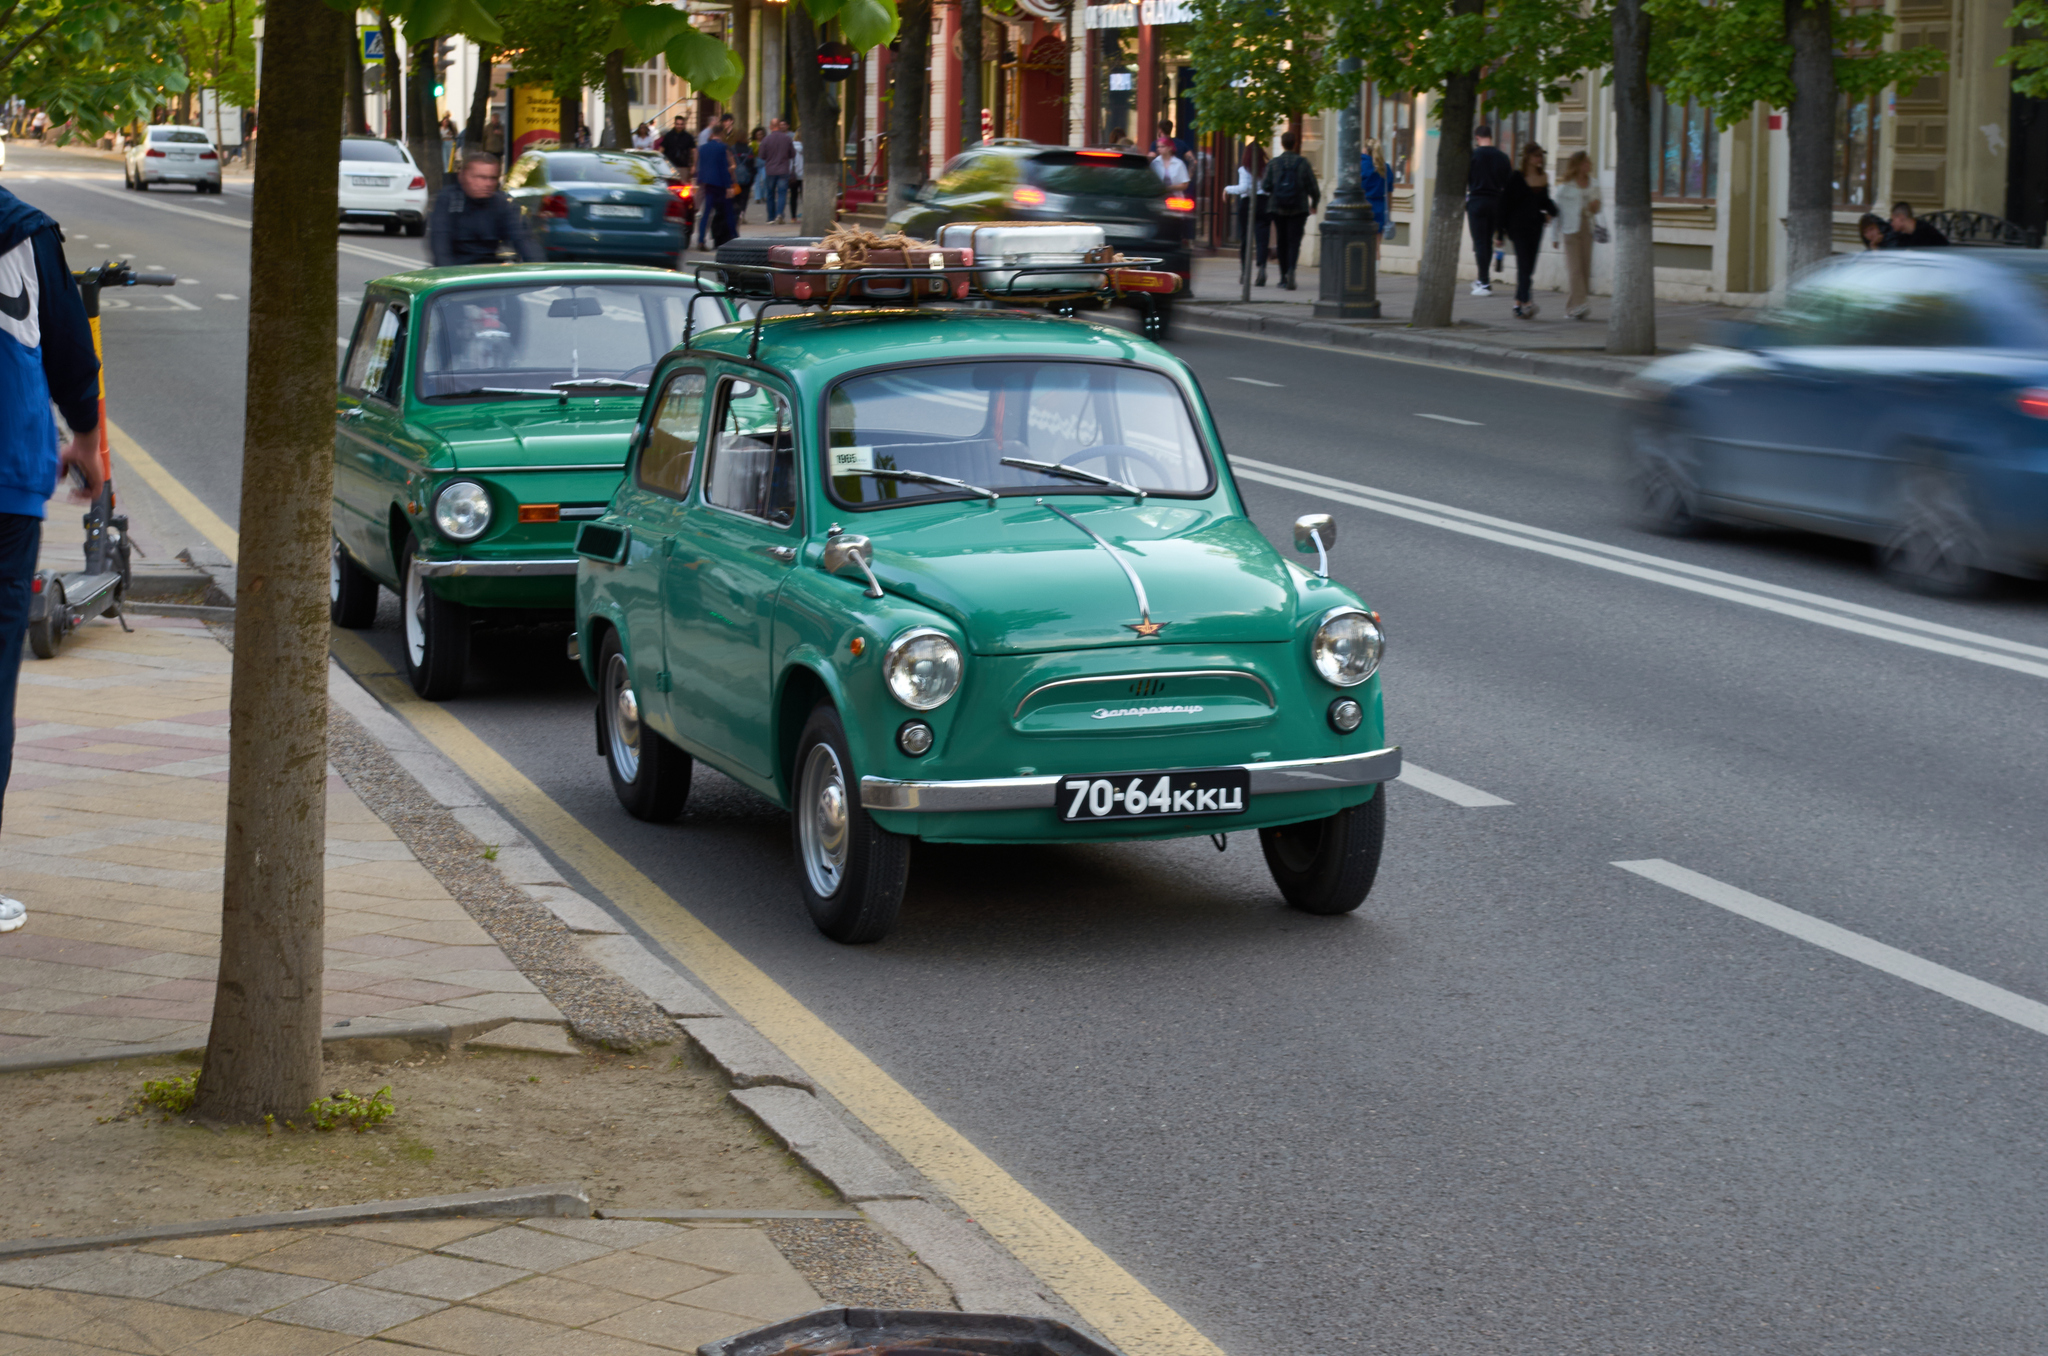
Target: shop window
1856	124
1390	120
1511	131
1686	147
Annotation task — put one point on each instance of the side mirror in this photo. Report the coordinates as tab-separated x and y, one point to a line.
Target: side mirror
846	549
1316	532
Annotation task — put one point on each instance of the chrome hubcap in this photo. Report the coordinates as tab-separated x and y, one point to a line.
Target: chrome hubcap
822	819
334	572
416	615
622	720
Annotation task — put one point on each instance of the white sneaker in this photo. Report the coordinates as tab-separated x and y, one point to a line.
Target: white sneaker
13	913
1480	289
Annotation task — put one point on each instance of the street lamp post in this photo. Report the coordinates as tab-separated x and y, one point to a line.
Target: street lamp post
1348	275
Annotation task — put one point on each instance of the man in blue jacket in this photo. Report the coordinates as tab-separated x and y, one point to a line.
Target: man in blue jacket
45	355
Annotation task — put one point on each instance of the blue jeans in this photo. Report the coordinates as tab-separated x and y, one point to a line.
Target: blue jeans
20	537
774	190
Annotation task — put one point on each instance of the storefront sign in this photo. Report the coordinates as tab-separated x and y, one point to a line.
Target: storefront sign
835	61
1051	11
536	119
1151	12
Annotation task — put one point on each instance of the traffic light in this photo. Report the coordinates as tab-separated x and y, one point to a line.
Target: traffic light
444	57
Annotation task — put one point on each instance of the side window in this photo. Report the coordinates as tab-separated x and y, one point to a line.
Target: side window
377	356
751	466
957	174
671	447
517	176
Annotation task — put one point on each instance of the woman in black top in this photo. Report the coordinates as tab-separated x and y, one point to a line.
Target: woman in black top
1525	209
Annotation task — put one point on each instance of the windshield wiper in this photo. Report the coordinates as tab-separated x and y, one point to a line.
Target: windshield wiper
926	478
507	391
1055	468
608	383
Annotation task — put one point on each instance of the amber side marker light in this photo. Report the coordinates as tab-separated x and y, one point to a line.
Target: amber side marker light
1180	204
540	513
1028	197
855	646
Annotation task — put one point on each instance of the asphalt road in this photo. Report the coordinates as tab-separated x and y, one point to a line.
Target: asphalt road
1525	1100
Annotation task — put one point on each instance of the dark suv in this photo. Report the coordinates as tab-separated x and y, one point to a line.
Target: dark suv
1024	181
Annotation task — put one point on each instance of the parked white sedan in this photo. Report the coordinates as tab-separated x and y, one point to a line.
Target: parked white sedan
381	183
174	155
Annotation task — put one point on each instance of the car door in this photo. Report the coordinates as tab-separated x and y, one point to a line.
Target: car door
367	425
650	504
738	538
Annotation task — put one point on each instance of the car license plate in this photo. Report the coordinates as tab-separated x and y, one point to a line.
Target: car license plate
1155	795
624	213
368	181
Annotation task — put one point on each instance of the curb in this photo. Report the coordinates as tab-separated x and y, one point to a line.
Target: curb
1604	373
439	1034
557	1200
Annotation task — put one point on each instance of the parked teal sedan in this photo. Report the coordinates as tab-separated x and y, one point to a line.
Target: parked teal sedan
483	416
601	206
971	577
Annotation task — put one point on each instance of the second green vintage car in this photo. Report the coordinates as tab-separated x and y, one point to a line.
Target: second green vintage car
971	576
483	417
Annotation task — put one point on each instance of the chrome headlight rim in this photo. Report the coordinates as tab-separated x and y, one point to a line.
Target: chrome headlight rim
442	515
1315	646
893	659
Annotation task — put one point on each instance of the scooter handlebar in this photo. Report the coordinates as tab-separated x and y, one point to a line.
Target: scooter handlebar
155	279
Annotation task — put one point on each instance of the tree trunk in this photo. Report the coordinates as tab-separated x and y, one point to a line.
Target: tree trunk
358	103
570	99
394	80
742	44
1632	325
263	1052
1810	136
908	97
970	72
819	122
1437	278
618	116
479	99
423	120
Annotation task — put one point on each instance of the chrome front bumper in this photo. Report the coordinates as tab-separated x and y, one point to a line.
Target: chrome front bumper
482	569
1041	793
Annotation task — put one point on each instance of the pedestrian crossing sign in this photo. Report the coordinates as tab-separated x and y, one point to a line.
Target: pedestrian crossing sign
373	46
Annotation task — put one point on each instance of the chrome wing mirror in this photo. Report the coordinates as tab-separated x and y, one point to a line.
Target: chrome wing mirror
846	549
1315	532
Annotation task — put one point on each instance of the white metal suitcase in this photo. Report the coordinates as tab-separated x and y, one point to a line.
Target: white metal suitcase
1018	243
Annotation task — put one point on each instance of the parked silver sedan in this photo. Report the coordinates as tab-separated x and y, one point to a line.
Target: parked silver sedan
174	155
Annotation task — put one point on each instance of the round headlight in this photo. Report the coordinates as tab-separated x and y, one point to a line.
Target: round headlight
1346	648
462	510
922	669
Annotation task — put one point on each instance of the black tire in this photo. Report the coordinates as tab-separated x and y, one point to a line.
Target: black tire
435	635
46	626
392	227
415	229
141	184
1659	480
1327	866
650	776
850	869
351	590
1936	546
754	250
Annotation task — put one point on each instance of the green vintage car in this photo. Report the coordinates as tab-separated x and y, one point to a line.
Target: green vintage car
971	576
483	417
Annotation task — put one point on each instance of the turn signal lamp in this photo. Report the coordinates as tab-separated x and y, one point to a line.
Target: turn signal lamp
1180	204
418	181
153	154
2034	402
555	205
540	513
1028	197
209	155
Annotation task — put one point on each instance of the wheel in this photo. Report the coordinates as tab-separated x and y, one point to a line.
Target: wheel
1936	546
1327	866
391	227
415	229
141	184
128	178
650	776
853	870
1157	321
46	625
436	636
1663	496
351	591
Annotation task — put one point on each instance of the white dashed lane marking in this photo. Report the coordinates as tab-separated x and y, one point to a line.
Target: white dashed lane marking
1254	381
1446	419
1456	792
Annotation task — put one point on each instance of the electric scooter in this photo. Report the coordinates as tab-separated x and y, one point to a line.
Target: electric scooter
60	602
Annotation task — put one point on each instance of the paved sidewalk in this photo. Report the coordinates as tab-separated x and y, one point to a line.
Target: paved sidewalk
114	837
480	1287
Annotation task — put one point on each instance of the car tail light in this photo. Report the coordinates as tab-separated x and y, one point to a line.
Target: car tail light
555	205
418	181
2035	402
153	153
1102	155
673	210
208	155
1180	204
683	191
1028	197
540	513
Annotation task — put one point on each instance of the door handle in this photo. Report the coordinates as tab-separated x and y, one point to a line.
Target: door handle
352	412
785	554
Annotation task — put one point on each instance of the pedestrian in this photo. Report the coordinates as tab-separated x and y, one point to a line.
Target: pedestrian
1485	181
1375	180
1167	164
1874	229
745	169
1911	233
1254	227
494	136
447	127
1525	210
46	356
40	123
778	154
716	188
471	218
680	147
1292	195
796	177
1578	202
643	138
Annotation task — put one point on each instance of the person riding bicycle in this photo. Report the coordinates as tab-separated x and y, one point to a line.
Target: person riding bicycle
471	218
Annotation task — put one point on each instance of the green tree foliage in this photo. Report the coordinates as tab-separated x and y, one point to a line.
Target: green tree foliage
98	63
1257	63
220	49
1730	54
2029	56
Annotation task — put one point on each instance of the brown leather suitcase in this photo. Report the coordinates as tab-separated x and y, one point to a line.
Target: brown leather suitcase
942	274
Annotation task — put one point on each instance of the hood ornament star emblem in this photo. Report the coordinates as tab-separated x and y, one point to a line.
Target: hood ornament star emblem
1147	627
1144	626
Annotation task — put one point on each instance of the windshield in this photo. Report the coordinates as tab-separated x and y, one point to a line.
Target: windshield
1079	175
961	420
600	169
532	336
379	152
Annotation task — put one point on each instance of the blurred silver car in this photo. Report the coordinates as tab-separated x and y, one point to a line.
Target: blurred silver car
174	155
381	183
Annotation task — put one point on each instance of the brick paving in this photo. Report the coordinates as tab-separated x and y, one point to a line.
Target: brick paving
113	837
541	1287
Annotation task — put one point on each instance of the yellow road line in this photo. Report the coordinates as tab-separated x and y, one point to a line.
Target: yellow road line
1082	1274
204	520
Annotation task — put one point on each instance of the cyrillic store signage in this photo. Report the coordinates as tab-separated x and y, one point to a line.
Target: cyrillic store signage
1143	11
